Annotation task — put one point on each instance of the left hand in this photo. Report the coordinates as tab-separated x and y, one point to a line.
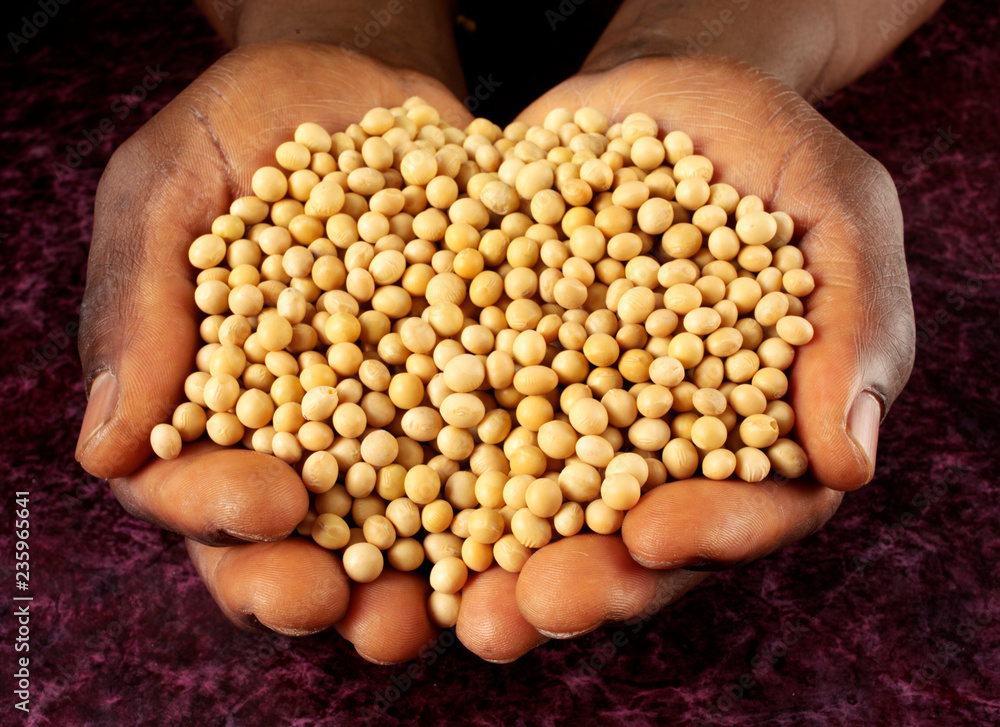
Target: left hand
767	140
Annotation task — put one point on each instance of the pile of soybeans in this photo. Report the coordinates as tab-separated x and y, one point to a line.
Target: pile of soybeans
470	342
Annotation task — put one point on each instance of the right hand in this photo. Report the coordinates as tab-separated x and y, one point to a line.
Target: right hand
139	335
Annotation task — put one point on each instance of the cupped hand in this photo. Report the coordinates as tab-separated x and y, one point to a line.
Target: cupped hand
139	335
165	186
764	139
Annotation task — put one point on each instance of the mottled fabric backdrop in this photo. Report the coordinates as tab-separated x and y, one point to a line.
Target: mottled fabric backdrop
889	616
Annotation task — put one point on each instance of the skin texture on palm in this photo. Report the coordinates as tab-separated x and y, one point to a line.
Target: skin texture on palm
764	139
166	185
139	325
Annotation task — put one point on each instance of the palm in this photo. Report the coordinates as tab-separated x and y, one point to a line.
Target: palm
213	137
766	140
162	189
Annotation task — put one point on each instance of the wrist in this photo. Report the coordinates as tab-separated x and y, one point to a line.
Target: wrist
409	34
815	48
794	45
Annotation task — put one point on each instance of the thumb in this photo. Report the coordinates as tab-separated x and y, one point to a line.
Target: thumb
863	349
138	334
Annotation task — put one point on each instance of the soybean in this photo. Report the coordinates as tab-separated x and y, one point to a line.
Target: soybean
457	336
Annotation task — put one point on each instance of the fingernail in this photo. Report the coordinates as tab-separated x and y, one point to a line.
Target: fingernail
373	660
667	564
565	634
103	399
228	537
295	633
862	427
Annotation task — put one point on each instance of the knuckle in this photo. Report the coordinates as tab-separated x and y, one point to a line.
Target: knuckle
125	492
116	258
107	300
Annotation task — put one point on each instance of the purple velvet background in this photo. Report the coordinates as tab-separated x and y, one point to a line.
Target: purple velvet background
123	632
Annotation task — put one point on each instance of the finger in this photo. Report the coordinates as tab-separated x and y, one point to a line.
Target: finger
387	620
489	622
699	523
843	382
217	496
764	138
138	333
574	585
845	206
161	190
293	586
